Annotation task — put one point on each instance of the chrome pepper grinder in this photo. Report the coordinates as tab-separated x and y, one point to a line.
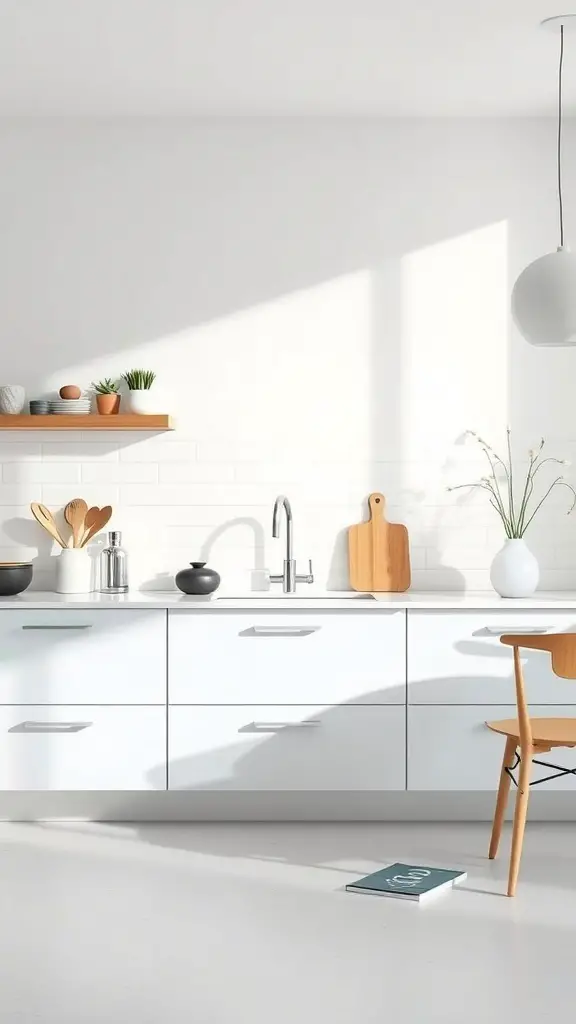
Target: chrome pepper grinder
114	566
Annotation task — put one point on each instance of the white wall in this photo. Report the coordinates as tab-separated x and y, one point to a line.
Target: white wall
326	305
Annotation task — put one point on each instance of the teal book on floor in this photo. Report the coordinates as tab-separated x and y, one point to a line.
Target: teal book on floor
407	882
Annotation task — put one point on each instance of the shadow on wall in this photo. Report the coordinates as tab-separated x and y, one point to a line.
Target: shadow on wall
209	548
28	535
172	242
125	232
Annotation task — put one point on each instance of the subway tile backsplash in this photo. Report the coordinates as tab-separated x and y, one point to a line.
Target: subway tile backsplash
178	500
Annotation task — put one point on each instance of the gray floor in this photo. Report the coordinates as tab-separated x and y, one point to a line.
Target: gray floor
209	924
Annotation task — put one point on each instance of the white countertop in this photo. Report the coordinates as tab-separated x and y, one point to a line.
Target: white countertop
337	600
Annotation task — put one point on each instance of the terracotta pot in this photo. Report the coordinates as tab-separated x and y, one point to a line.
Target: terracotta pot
108	405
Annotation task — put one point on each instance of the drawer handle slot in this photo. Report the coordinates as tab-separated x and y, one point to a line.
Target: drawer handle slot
280	630
86	625
50	727
311	723
501	630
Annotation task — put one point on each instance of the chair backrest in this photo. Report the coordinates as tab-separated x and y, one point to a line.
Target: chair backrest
562	647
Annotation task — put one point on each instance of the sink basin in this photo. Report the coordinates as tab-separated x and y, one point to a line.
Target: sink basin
269	595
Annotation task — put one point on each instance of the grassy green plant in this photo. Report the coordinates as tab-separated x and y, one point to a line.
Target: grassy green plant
107	386
139	380
516	508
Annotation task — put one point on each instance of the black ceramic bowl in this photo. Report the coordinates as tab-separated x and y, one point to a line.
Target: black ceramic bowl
14	577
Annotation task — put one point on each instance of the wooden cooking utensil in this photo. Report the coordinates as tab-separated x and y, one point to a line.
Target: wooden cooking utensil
74	514
98	523
91	517
378	552
44	516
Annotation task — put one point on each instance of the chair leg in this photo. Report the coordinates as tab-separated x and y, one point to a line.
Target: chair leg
502	799
520	810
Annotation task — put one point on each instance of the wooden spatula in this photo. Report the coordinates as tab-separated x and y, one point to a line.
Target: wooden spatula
74	514
44	516
97	522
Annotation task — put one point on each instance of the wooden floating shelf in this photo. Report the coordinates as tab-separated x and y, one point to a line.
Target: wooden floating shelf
129	421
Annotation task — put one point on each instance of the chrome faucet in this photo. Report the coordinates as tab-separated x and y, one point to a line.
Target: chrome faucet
289	577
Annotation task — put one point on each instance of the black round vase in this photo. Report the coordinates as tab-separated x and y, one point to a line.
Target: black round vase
198	579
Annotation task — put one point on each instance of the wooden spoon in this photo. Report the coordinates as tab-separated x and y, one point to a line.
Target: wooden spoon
98	523
44	516
92	516
74	514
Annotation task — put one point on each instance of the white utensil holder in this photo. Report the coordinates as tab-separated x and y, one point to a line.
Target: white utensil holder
74	572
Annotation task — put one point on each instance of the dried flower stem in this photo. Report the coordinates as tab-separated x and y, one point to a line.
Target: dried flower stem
515	525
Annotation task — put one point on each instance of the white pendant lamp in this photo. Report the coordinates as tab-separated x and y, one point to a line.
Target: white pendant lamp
544	296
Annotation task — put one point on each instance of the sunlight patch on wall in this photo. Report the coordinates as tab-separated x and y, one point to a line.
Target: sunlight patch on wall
295	369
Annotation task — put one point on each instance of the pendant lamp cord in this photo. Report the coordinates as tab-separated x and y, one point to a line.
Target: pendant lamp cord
559	160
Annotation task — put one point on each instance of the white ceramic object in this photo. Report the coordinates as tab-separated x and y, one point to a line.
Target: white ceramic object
12	399
544	300
514	571
142	402
70	407
74	572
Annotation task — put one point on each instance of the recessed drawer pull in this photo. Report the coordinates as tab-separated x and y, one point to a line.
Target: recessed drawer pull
283	630
500	630
86	625
50	726
311	723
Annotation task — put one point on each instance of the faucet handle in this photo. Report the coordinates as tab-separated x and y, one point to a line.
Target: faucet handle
307	577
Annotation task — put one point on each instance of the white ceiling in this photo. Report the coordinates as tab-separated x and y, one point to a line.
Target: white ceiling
309	57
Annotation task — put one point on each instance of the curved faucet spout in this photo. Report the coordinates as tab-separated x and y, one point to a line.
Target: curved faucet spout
282	502
289	578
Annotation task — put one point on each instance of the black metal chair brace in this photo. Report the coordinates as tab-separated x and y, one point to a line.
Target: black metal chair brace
558	770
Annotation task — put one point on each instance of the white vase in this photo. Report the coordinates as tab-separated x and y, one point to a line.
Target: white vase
142	402
12	399
74	572
514	571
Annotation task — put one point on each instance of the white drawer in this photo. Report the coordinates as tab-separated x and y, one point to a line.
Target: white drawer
453	658
450	748
82	747
287	748
265	657
83	657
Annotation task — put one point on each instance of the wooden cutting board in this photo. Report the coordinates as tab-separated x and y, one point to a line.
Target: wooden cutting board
378	552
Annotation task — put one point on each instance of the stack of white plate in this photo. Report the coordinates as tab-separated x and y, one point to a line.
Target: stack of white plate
70	406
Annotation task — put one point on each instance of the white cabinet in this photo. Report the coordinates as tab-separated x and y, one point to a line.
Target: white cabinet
83	656
287	748
294	657
457	658
450	748
82	747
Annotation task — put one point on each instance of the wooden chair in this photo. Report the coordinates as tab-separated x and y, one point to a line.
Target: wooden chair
533	736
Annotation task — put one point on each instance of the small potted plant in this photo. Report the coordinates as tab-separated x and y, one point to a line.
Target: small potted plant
107	397
139	383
